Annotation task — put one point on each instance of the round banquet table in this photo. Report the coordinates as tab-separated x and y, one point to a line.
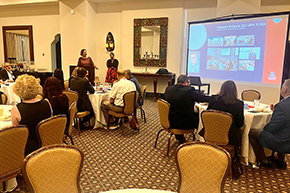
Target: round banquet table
7	112
138	191
96	100
255	120
12	98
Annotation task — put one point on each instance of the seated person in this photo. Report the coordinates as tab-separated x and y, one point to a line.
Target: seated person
116	102
82	85
129	76
73	75
276	134
52	90
58	73
227	101
6	73
182	98
31	110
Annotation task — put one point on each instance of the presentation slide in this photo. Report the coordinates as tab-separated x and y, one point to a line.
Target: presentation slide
249	50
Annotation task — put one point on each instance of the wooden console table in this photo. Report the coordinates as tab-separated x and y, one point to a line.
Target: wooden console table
155	77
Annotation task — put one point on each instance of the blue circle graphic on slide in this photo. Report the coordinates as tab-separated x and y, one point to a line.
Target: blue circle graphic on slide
197	37
277	20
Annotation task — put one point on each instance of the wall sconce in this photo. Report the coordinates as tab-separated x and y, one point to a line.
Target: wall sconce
110	43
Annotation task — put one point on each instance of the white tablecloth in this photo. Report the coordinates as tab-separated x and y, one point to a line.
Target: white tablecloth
96	100
7	112
252	120
12	98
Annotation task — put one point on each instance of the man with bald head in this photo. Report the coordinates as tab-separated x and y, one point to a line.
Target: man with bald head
6	73
276	134
116	102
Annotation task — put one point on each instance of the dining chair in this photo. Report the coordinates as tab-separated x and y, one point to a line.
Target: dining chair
4	98
129	108
65	85
250	95
13	141
164	110
72	96
202	167
54	168
71	113
216	128
51	131
143	95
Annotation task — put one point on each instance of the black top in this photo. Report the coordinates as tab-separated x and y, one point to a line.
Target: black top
182	99
82	86
31	115
59	108
114	64
237	111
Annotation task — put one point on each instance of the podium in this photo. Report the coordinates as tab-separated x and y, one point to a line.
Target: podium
91	71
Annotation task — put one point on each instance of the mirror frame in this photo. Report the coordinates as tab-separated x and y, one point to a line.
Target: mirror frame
138	24
20	27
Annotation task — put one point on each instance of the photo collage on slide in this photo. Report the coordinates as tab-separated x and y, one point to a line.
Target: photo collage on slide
232	53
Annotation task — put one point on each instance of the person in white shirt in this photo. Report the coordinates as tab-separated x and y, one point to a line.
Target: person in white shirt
116	102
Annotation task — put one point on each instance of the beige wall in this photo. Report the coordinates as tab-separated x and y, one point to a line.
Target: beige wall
91	22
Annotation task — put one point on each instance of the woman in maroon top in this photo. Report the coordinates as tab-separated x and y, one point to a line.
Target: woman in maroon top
85	61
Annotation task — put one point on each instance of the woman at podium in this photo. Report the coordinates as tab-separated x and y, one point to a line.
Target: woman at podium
85	61
112	65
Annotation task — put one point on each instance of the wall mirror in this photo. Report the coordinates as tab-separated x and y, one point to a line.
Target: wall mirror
150	42
18	44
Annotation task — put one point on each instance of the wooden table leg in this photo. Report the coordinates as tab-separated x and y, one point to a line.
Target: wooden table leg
155	87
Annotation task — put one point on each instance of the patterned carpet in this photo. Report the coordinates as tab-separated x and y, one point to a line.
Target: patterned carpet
116	161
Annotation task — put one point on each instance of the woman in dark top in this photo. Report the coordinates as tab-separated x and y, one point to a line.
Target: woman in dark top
227	101
31	110
112	65
58	73
85	61
52	90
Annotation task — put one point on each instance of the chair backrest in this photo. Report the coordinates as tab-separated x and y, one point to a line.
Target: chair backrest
216	126
164	110
72	111
4	98
195	80
50	131
202	167
65	85
12	149
72	96
129	102
250	95
53	168
143	93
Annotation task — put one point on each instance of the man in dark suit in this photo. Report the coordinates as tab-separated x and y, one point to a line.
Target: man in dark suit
276	134
129	76
6	73
182	98
82	85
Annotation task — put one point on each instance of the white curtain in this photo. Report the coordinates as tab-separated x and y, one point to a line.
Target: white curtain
11	46
26	48
19	50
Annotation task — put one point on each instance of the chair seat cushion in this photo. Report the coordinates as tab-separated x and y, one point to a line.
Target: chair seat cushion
82	114
179	131
117	114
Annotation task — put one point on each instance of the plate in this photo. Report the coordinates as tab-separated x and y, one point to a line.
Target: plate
5	118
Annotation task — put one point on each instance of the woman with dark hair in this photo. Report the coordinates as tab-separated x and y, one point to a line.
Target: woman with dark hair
112	65
58	73
85	61
52	90
227	101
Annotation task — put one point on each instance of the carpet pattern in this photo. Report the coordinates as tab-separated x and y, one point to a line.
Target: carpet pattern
115	161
